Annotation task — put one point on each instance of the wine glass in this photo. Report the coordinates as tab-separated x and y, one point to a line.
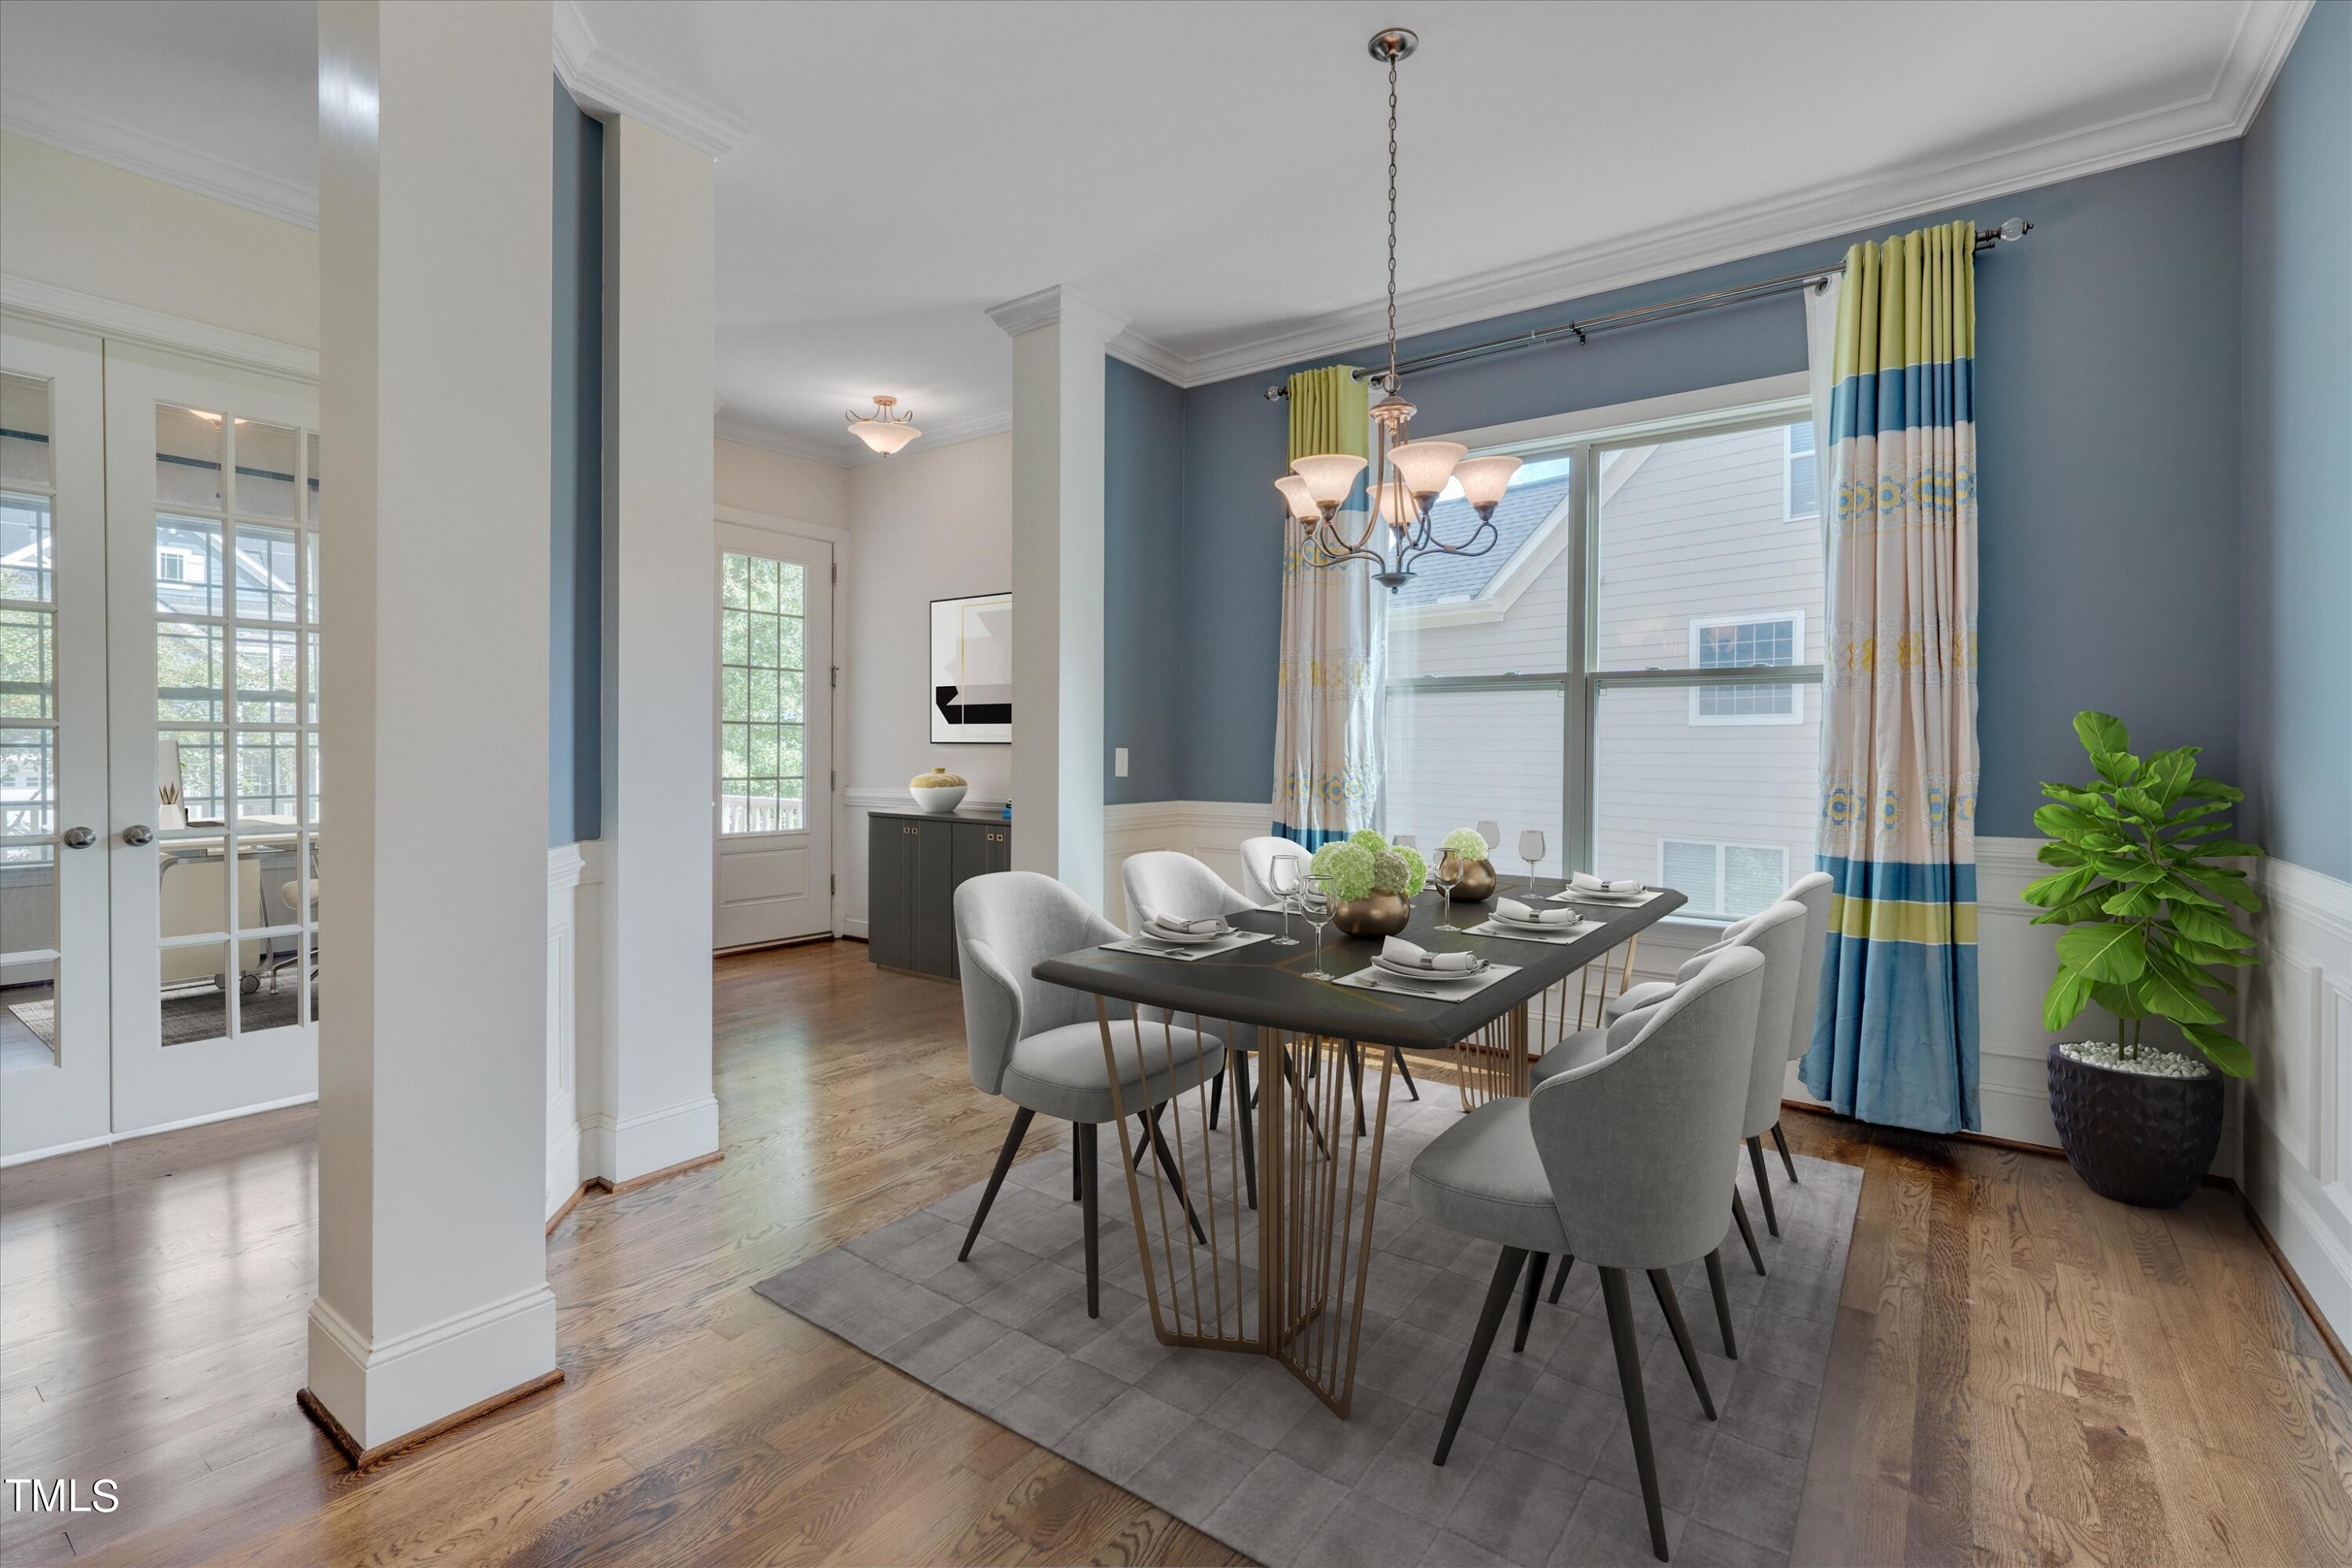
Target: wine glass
1447	873
1531	851
1406	841
1314	903
1284	875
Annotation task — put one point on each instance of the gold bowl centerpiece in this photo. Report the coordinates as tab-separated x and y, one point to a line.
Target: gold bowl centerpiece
1465	846
1371	883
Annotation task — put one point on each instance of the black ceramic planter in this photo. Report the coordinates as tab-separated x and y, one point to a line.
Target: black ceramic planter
2134	1138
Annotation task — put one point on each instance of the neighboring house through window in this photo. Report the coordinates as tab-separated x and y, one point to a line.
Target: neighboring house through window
1728	880
1741	643
1800	481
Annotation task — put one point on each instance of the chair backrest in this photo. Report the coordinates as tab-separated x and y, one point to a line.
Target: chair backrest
1640	1145
1813	890
1007	924
1778	934
1171	884
1259	855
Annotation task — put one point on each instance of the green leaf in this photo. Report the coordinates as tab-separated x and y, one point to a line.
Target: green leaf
2228	847
2164	961
2183	894
2212	789
2118	1000
2133	903
2069	993
2129	870
2059	855
2200	952
2065	823
2223	1050
2201	924
2101	732
2170	772
2115	767
2140	803
2059	887
2089	800
2115	953
2167	995
2216	879
2091	906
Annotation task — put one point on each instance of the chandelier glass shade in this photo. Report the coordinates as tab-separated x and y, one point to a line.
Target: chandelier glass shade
883	430
1407	477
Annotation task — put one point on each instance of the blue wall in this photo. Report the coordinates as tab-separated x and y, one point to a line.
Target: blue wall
575	483
1143	500
2298	453
2107	381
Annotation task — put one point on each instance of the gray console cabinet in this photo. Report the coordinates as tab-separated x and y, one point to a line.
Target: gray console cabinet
915	862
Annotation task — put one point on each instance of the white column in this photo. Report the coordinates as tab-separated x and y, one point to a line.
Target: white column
434	207
661	622
1058	338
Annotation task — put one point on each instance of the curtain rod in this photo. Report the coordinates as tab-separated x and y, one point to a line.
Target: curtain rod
2014	229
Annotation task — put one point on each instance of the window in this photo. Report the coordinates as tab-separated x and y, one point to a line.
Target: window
761	666
1608	697
1802	475
1740	644
1726	881
171	566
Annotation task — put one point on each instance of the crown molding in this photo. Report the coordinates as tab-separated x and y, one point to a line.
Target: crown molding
1148	354
605	83
2266	33
1049	307
92	136
849	452
55	305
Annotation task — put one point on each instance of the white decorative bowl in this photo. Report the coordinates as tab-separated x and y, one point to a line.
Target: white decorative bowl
939	800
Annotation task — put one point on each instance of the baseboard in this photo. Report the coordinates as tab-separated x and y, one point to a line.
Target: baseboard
659	1141
401	1391
854	929
368	1458
599	1184
106	1139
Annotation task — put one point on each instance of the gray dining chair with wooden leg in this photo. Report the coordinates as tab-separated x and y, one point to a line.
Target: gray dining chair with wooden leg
1172	885
1041	1045
1621	1162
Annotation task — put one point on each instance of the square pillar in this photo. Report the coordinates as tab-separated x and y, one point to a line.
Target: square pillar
435	213
1058	342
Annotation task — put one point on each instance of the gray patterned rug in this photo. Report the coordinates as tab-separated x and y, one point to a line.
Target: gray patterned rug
1542	1473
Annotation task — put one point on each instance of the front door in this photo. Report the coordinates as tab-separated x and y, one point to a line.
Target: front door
772	877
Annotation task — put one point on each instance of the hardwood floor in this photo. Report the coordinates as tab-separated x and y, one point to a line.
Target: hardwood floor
2022	1372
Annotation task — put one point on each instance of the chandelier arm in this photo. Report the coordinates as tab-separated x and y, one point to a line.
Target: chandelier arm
1469	549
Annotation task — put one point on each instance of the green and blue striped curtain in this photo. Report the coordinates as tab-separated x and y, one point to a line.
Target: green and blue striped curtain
1895	1039
1327	760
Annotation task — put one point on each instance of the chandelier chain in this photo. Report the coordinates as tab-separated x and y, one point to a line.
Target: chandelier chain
1393	56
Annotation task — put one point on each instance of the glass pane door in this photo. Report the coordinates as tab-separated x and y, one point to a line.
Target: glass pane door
771	877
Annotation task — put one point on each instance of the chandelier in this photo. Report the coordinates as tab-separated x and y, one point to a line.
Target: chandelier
1406	476
884	431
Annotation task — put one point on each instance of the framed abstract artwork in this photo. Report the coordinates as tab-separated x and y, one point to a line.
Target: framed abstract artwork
972	670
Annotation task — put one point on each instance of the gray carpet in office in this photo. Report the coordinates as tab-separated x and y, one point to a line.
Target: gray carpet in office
1542	1473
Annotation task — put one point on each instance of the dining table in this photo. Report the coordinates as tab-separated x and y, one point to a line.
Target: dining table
1285	1274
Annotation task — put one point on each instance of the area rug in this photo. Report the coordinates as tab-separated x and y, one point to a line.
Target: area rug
1542	1473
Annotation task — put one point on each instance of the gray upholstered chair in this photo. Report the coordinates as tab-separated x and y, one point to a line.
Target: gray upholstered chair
1175	886
1041	1045
1623	1162
1259	855
1813	890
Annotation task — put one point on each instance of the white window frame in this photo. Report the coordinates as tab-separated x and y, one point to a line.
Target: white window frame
1789	456
1713	906
1584	434
1796	714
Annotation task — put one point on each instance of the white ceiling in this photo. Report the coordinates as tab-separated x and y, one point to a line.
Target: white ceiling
1214	172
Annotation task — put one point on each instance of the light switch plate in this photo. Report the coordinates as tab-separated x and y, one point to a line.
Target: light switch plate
1118	761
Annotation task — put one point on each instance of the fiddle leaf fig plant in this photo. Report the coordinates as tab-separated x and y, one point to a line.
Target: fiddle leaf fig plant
2143	885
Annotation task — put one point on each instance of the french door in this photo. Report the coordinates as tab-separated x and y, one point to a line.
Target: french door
773	833
158	766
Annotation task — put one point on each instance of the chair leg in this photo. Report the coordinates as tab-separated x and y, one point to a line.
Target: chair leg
1763	1185
1020	1120
1747	1232
1216	1093
1090	1203
1781	1141
1305	1103
1722	1301
1168	1164
1410	1088
1665	1288
1144	1142
1536	1263
1637	1407
1560	1281
1077	1161
1245	1105
1490	1317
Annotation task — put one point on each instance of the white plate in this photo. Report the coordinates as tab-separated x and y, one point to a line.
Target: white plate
1553	926
1407	971
1152	932
1633	897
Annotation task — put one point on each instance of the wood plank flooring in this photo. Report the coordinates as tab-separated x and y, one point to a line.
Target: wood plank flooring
2022	1372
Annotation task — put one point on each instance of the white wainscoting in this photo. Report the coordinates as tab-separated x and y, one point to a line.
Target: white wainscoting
2296	1170
578	1137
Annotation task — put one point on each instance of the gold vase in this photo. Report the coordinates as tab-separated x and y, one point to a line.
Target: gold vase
1374	914
1477	883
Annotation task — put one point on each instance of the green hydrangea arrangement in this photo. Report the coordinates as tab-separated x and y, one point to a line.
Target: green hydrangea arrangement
1468	844
1364	864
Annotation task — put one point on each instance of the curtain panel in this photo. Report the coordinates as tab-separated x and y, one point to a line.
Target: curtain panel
1326	765
1895	1036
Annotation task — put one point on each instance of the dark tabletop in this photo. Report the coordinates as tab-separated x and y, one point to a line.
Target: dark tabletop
1263	983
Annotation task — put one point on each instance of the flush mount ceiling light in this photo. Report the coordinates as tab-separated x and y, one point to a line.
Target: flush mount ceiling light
884	431
1406	476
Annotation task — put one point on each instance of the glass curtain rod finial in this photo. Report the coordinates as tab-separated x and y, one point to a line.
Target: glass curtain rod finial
885	431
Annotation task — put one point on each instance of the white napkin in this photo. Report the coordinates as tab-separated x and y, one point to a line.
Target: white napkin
1583	883
1209	927
1511	909
1413	955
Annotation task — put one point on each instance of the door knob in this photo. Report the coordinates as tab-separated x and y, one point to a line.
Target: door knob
138	834
80	838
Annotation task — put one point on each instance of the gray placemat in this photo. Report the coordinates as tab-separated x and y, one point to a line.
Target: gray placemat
1433	986
1543	1470
1186	952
